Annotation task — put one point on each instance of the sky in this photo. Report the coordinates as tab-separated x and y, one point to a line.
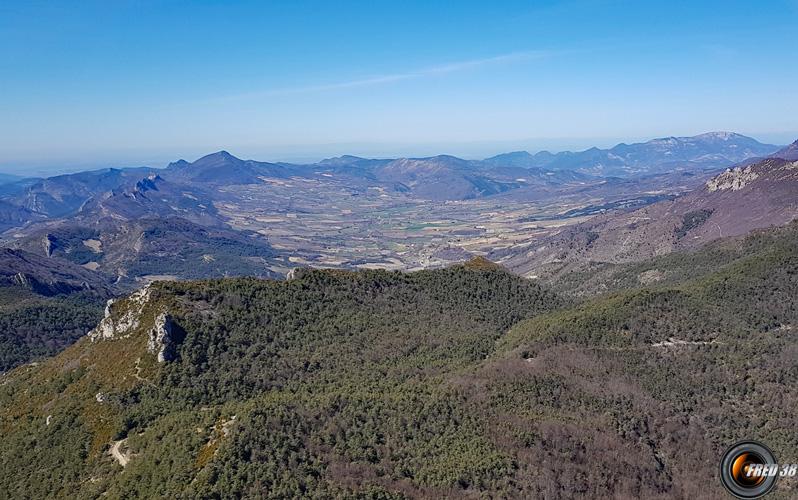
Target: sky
121	83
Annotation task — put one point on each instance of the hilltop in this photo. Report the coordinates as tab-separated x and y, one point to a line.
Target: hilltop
340	345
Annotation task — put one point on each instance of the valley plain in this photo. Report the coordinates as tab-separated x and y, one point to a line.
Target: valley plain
350	212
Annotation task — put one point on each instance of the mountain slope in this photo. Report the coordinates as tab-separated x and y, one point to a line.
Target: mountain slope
14	216
222	168
732	203
153	196
168	247
391	385
788	152
343	370
441	178
665	377
672	268
47	276
45	305
63	195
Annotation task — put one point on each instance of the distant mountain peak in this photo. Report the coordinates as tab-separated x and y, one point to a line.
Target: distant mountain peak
722	135
222	168
181	163
789	152
445	157
347	158
217	157
149	183
341	160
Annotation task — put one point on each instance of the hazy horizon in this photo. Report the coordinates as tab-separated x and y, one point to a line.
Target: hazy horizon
116	84
313	153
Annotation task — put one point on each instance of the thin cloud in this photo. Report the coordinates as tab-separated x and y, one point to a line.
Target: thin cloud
396	77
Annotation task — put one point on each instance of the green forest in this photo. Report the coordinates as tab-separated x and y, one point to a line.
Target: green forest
35	327
461	382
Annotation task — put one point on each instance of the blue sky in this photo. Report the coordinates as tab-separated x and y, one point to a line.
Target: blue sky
86	84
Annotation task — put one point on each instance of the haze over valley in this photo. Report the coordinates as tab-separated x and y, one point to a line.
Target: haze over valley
221	215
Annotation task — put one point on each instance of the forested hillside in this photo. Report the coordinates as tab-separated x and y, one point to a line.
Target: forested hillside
467	381
673	268
45	305
33	326
338	381
654	383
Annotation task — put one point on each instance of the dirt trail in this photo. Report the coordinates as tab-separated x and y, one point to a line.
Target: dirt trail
137	374
671	342
122	458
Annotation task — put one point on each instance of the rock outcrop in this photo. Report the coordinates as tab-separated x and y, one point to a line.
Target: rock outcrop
160	339
22	279
734	179
117	324
138	315
49	243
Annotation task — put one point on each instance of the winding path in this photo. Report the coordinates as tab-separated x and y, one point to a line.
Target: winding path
120	457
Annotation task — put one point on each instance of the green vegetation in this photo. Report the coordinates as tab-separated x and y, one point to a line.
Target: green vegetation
67	243
338	381
179	254
33	327
692	220
677	267
466	381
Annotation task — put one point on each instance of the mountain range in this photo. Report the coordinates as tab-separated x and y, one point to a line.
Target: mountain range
657	155
132	226
195	207
449	176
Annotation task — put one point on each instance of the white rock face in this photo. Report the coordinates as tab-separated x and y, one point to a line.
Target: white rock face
21	279
734	179
121	326
108	307
47	242
123	318
160	338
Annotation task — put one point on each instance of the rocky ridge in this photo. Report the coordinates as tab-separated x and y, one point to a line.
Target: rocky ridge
734	179
126	317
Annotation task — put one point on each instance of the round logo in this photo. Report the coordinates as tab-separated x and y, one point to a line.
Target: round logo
746	471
